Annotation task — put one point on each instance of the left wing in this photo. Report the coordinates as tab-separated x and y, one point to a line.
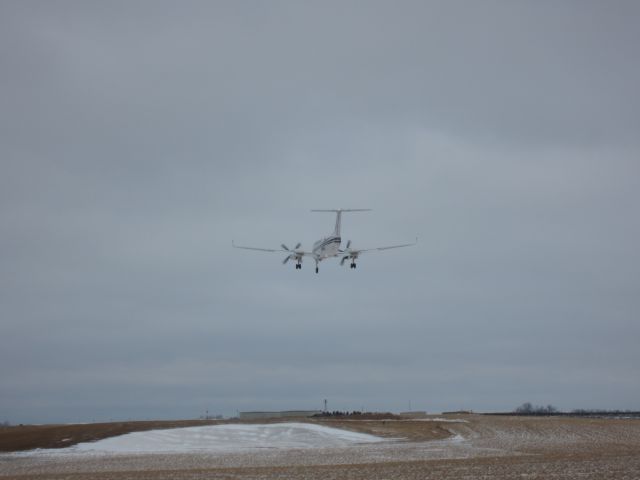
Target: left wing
233	244
293	254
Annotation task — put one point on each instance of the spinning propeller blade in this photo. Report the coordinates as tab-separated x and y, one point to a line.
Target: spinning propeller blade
287	248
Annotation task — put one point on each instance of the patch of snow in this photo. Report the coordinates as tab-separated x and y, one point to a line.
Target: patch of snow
457	438
221	439
447	420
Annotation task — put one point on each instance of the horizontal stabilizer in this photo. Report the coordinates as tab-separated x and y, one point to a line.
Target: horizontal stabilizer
345	210
336	231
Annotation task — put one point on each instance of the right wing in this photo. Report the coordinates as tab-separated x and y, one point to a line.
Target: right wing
360	250
390	247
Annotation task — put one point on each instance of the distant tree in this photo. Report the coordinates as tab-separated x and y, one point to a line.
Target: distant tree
525	408
528	409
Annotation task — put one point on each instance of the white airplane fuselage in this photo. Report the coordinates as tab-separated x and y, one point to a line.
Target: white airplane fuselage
329	246
326	247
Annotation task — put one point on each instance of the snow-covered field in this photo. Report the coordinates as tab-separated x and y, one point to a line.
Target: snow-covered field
480	447
220	439
236	446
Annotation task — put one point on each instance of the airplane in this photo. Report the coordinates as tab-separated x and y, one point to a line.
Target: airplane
327	247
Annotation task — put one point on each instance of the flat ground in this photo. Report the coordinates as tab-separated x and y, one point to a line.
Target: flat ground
442	447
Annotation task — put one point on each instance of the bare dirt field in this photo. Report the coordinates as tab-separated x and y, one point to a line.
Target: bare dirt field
28	437
442	447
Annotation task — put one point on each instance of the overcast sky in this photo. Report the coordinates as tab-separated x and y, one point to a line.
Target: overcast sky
137	139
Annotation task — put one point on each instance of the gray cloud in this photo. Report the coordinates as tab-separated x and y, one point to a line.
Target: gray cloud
139	138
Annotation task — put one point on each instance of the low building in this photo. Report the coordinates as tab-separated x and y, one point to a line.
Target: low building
414	414
282	414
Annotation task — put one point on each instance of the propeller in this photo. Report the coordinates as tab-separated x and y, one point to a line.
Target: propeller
293	253
349	253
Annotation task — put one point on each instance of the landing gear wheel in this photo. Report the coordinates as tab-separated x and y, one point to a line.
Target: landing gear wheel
317	269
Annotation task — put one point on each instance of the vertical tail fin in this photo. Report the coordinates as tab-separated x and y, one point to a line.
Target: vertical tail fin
336	231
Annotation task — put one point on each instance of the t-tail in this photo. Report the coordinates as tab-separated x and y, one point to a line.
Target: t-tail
338	212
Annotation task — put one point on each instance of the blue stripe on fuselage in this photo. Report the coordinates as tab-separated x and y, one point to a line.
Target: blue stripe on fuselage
326	241
321	245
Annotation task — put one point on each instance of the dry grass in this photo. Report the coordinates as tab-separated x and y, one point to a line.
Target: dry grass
28	437
483	447
412	430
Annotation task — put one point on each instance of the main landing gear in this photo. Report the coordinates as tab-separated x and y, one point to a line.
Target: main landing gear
298	266
353	265
317	269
